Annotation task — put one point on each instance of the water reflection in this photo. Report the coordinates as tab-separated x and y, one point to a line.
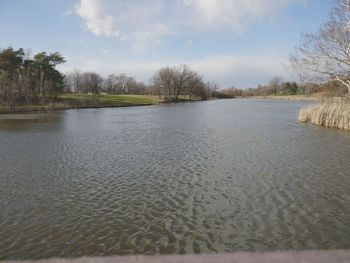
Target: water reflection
217	176
28	121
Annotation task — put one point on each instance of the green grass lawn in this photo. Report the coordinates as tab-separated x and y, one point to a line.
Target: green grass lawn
73	101
111	100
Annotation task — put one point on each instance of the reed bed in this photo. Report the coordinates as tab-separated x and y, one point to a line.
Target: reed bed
293	98
333	113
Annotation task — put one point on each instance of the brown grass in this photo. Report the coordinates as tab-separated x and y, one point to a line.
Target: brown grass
287	97
35	108
75	101
333	113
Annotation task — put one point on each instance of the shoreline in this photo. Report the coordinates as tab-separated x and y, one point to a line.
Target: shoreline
326	111
77	101
52	108
333	113
288	98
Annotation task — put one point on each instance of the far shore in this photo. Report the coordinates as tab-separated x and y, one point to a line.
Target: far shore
289	97
82	101
60	107
316	97
75	101
69	101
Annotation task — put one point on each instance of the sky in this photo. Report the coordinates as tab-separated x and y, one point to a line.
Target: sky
239	43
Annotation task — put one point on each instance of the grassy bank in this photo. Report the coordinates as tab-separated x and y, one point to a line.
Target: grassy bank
333	113
108	100
77	101
34	108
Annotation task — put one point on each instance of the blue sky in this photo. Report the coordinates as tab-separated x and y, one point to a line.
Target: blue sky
234	42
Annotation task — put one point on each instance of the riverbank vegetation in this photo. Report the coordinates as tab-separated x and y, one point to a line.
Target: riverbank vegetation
29	81
75	101
172	82
325	56
33	83
334	113
281	89
107	100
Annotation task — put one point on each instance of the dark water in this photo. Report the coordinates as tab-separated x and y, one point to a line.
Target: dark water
216	176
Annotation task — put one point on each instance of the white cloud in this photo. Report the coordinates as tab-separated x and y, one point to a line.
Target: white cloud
233	14
137	22
104	50
96	17
142	21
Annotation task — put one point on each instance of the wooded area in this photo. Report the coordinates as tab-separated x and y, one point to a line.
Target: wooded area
36	81
25	80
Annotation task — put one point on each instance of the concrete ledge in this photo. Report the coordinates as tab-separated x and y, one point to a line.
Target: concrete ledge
341	256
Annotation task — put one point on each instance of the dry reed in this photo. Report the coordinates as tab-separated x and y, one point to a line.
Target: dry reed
333	113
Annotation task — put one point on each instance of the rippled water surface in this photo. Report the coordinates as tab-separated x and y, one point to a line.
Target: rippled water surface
217	176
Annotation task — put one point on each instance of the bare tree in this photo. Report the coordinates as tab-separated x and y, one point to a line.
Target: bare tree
78	81
122	81
171	82
92	82
213	86
110	84
135	87
123	84
183	75
325	56
68	83
73	82
233	92
195	87
275	84
163	82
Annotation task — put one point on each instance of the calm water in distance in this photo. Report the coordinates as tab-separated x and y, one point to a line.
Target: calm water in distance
216	176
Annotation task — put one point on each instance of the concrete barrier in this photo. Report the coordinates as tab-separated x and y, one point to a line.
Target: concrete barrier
341	256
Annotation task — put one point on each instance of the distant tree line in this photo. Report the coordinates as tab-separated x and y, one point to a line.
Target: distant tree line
93	83
26	80
35	80
171	83
278	87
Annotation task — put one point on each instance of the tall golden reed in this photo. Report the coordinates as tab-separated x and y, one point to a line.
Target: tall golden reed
333	113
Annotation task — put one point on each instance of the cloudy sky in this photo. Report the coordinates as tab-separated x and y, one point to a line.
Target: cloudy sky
234	42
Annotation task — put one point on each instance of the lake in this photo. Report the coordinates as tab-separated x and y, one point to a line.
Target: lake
206	177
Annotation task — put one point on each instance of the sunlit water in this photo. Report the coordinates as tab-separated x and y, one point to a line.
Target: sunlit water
217	176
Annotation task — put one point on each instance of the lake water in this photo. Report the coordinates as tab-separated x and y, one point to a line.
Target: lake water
216	176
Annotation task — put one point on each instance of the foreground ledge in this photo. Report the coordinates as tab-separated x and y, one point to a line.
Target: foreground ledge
342	256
